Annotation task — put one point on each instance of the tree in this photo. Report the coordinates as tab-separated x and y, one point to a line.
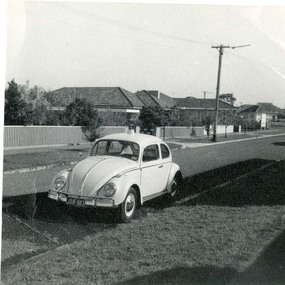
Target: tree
207	121
227	117
80	112
14	105
228	98
152	117
36	105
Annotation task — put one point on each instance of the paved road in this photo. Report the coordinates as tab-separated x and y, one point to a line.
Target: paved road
191	160
198	160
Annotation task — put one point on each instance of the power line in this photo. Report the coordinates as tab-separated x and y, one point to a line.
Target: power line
127	26
261	66
200	74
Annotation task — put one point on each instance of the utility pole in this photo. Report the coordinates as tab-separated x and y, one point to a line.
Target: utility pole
205	93
221	52
204	103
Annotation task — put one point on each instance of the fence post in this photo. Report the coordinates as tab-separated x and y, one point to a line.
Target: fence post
157	132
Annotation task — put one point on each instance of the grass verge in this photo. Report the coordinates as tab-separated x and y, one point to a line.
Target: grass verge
56	156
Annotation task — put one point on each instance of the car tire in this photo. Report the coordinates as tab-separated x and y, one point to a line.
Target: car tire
175	186
128	208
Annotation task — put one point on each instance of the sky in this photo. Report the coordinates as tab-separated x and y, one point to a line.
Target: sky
152	46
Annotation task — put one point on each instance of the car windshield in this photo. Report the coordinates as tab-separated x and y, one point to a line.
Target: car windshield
124	149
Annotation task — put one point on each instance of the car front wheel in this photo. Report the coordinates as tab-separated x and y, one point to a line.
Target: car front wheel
128	207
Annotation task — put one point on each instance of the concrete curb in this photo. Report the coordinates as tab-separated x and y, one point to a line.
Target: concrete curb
37	168
197	145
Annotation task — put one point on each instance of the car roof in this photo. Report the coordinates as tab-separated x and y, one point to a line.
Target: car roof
133	137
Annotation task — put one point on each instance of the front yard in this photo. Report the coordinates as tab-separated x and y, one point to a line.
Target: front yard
207	240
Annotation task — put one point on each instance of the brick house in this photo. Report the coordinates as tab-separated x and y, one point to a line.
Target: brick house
115	99
195	109
121	102
252	114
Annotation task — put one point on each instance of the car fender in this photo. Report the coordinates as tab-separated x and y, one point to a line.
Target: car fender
174	169
64	173
123	182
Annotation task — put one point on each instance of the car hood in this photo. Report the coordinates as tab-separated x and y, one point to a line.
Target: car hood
90	174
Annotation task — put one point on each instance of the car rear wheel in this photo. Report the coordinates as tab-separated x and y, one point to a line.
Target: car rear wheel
128	207
176	185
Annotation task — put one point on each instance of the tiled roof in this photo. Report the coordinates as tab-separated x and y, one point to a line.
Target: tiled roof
248	108
100	96
167	100
196	103
155	98
146	99
135	101
265	108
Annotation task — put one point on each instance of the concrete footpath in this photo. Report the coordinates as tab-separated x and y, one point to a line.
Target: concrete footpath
194	142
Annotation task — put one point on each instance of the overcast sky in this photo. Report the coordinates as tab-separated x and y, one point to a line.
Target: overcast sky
165	47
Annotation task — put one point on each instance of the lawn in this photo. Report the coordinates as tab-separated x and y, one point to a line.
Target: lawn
54	156
35	159
207	240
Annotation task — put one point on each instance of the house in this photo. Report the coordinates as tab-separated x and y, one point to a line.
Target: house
260	114
195	109
119	101
104	99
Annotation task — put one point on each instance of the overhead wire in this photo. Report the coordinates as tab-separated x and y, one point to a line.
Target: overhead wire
126	25
252	72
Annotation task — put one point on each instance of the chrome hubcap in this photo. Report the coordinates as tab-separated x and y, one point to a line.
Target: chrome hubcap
173	188
130	205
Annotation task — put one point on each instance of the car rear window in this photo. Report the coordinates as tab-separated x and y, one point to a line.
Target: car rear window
164	151
151	153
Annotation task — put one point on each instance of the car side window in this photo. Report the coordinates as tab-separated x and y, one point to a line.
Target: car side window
151	153
164	151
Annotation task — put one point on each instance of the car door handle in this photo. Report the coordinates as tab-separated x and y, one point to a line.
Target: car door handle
160	166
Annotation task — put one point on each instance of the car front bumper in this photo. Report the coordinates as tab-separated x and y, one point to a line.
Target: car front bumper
81	201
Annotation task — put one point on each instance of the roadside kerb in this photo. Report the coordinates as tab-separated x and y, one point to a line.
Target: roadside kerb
196	145
36	168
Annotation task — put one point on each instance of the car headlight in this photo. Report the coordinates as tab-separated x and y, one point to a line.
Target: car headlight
59	183
109	189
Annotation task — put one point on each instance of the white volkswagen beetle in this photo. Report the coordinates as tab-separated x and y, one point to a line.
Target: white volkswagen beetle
122	171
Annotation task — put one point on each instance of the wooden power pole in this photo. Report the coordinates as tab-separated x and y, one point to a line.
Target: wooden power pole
221	51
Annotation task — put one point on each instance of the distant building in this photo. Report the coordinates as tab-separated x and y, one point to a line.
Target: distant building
195	109
258	116
115	99
255	111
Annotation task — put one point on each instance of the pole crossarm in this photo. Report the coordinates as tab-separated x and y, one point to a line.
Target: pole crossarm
221	46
